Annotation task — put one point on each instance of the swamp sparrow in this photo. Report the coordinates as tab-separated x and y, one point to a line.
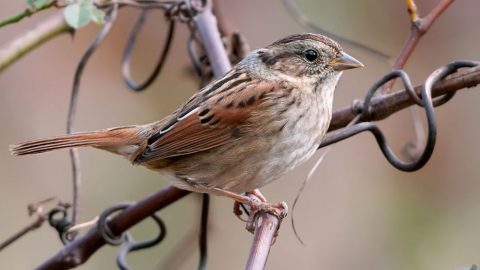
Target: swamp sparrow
263	118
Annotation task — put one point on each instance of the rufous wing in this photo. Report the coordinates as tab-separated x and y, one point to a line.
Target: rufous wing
212	119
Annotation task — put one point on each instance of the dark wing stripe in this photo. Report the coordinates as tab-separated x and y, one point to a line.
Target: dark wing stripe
191	104
234	84
221	82
159	134
205	92
175	148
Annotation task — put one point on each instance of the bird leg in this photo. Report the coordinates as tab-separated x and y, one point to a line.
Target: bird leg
254	194
256	205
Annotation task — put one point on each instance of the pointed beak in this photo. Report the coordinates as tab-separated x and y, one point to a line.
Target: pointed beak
344	61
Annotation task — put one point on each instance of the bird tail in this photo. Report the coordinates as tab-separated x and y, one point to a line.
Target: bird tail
107	139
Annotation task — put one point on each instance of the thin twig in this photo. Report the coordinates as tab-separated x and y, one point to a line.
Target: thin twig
37	209
419	26
46	30
206	25
26	13
30	227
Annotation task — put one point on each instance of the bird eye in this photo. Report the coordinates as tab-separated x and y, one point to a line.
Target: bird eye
310	54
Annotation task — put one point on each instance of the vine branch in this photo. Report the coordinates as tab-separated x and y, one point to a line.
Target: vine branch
419	26
48	29
266	228
25	13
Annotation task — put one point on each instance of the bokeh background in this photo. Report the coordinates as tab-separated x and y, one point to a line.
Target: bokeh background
358	212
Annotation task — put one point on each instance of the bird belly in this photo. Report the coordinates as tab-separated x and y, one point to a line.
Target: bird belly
248	163
271	147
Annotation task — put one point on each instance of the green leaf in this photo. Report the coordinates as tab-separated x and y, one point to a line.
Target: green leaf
37	4
77	15
97	16
40	3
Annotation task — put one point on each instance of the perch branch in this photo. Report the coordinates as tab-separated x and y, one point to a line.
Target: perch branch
35	37
266	226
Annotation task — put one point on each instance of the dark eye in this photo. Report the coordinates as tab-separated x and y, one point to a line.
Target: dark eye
310	54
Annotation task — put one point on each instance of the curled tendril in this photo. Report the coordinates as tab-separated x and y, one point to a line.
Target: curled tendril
126	71
58	219
425	101
129	244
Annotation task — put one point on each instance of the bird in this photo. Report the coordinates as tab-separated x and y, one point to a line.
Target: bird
263	118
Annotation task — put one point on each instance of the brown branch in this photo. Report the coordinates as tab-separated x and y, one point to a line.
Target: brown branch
419	27
266	226
30	227
209	34
43	32
81	249
34	209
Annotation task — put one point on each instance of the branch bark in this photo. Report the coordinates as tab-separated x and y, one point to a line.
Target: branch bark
266	226
24	14
419	27
35	37
78	251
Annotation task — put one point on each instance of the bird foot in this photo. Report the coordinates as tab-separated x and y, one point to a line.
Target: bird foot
257	204
277	209
255	195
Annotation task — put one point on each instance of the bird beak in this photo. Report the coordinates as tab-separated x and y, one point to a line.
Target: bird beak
344	61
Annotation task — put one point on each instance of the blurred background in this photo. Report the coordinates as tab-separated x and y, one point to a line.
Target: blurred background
357	212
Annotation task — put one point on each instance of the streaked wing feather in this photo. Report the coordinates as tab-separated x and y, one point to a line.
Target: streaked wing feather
209	119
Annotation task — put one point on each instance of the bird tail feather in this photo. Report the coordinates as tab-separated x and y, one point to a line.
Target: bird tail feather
101	139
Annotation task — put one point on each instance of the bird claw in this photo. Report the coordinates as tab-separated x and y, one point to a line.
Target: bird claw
238	211
254	195
278	209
